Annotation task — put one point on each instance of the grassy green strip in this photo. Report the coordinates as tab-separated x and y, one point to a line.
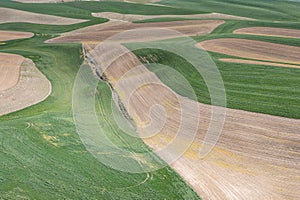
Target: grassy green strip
49	8
49	29
256	88
232	25
276	10
131	8
83	10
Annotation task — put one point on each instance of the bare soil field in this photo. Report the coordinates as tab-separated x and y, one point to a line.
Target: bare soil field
256	156
267	31
132	17
12	15
27	85
14	35
10	70
103	31
253	49
254	62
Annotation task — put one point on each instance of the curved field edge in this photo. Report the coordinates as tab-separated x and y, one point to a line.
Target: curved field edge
231	24
10	70
14	35
253	49
264	31
49	30
60	120
263	10
32	87
254	88
239	126
43	156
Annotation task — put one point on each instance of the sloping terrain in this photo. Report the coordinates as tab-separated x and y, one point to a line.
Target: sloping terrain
40	147
257	155
252	153
43	157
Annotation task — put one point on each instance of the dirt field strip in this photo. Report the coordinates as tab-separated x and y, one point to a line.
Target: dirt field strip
256	62
14	35
132	17
9	70
30	88
256	157
267	31
12	15
253	49
103	31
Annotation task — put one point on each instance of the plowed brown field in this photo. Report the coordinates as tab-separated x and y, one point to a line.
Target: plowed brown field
14	35
9	70
255	62
22	84
12	15
267	31
257	155
253	49
103	31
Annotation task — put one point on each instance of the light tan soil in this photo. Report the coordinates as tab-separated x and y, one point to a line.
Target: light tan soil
14	35
253	49
9	70
257	155
101	32
132	17
255	62
12	15
279	32
31	88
